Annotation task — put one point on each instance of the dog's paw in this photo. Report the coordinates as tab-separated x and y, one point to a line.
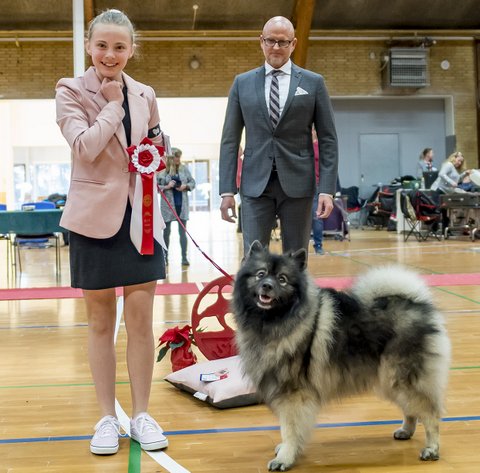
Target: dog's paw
284	460
402	434
276	465
429	454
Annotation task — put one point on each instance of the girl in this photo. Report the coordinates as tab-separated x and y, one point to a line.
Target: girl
176	181
100	115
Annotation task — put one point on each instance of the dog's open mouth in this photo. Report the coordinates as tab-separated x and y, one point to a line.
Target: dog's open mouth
264	301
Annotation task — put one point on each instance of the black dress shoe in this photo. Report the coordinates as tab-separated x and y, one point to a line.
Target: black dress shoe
185	262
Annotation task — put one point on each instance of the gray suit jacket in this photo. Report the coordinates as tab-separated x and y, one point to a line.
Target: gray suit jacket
290	144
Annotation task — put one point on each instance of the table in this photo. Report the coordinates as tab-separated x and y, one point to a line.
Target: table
463	212
31	222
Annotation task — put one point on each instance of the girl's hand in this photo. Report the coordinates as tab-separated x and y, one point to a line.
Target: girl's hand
182	187
112	90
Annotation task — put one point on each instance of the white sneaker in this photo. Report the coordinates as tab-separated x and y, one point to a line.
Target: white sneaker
105	439
147	432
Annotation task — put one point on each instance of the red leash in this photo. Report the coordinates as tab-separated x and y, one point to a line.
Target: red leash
191	238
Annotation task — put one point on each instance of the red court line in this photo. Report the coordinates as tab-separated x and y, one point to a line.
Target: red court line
190	288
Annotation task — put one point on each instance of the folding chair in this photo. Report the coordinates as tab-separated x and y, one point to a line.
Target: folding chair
422	222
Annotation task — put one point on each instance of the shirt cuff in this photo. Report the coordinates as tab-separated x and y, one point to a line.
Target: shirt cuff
227	194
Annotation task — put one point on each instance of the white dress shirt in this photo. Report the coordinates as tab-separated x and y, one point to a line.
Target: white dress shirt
283	83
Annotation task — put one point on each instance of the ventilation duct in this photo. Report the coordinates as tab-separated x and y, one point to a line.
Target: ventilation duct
406	67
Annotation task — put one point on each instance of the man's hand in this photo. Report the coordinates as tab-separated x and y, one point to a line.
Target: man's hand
325	206
227	209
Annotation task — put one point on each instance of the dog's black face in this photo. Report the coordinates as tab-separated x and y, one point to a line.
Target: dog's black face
268	285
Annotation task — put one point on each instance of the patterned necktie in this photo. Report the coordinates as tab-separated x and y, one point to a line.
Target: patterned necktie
275	99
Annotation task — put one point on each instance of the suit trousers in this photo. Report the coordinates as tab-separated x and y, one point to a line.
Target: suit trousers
259	213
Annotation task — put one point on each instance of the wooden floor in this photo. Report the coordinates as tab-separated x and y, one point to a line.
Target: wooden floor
47	400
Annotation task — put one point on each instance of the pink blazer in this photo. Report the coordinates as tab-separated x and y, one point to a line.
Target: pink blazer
100	181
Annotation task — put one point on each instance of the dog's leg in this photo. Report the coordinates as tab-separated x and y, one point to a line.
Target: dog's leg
432	446
428	411
406	431
297	416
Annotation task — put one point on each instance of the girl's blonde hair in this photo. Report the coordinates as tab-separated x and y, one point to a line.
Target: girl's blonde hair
112	17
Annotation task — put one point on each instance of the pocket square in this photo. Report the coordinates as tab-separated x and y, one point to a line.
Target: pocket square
301	91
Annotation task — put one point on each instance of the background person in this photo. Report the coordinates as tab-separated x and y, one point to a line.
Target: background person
317	223
176	182
100	114
425	162
452	172
278	175
450	176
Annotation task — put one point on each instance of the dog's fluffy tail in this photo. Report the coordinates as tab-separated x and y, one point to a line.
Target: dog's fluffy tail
390	281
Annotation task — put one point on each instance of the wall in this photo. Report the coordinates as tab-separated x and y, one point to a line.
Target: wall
31	70
351	68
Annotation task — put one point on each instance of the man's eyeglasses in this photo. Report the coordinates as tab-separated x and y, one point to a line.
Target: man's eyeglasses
283	43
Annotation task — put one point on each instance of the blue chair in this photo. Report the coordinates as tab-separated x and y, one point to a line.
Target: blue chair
37	240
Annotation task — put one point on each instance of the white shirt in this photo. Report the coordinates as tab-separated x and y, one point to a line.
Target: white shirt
283	83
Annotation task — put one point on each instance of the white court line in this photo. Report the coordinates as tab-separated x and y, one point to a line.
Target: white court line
393	248
160	457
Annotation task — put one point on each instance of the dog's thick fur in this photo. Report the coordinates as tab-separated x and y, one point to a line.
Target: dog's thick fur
303	345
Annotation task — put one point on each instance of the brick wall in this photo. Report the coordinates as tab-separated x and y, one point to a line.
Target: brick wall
31	70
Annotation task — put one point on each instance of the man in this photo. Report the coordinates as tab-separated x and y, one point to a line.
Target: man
277	104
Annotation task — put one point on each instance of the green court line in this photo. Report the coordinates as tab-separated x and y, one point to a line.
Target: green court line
66	385
156	381
455	294
134	457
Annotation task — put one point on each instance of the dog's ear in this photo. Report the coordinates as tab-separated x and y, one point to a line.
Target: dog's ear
255	247
300	258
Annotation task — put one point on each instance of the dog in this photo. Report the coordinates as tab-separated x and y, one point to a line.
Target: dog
302	345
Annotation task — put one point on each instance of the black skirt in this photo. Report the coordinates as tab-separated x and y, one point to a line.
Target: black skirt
113	262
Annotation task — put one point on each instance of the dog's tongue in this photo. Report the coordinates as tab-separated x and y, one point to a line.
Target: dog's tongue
265	299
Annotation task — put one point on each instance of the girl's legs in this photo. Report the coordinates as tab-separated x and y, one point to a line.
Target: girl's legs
101	309
138	316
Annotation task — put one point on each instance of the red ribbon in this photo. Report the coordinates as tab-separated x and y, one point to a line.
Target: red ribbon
141	160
